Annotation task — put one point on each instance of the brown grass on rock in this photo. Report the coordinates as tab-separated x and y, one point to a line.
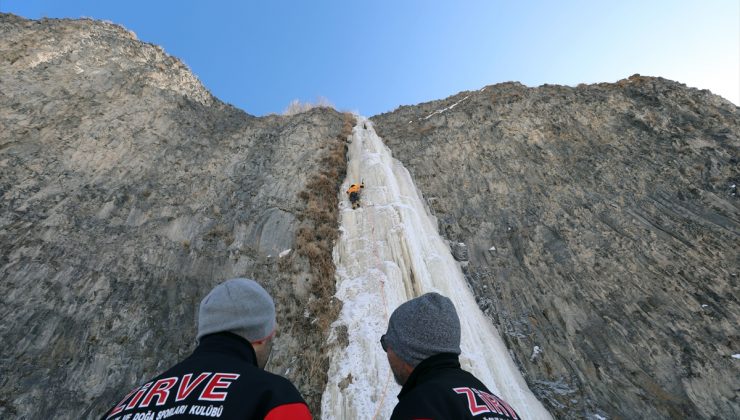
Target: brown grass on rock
314	242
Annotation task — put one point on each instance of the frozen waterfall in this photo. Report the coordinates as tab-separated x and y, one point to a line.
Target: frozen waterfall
389	251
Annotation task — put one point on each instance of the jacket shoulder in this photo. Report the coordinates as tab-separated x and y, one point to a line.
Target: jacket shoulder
282	384
285	400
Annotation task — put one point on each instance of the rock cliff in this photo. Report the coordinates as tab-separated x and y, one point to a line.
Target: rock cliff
599	228
597	225
126	192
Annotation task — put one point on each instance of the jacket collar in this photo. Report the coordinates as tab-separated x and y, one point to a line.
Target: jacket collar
428	369
227	343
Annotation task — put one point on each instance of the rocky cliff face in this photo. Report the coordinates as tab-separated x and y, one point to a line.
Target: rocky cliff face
126	192
599	226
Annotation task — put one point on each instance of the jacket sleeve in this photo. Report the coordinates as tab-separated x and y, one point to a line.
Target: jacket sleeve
293	411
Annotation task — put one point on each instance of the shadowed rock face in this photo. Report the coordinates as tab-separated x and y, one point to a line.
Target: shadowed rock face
126	193
601	225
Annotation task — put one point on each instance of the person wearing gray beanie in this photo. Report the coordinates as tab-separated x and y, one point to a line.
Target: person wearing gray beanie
225	376
422	344
240	306
423	327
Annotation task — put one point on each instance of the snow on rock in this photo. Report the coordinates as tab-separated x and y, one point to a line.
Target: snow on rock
284	253
459	251
535	352
389	252
736	356
439	111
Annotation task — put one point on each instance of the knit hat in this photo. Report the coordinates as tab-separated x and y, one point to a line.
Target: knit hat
240	306
423	327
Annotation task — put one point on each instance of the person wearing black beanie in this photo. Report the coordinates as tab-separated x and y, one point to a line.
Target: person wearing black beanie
423	344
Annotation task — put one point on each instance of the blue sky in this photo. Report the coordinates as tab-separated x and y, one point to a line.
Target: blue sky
373	56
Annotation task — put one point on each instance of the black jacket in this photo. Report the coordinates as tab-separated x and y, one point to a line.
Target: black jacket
439	389
219	380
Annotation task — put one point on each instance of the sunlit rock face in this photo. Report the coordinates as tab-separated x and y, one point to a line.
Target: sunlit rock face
602	232
127	192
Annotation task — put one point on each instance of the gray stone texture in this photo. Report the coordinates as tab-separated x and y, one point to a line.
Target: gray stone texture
127	192
602	226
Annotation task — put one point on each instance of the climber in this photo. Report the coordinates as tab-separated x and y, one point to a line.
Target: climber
422	344
225	376
354	194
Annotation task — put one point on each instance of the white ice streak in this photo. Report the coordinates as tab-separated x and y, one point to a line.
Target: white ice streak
439	111
736	356
389	251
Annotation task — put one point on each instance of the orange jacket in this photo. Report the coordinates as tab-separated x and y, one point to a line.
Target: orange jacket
355	188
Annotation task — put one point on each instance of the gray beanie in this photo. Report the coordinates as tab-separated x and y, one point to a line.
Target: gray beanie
423	327
240	306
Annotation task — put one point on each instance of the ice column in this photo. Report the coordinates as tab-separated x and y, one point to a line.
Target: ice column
389	251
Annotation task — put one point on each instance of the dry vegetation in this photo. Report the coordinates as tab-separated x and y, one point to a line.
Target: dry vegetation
320	228
314	243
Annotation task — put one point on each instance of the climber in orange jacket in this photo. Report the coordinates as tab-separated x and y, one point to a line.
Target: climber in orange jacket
354	194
